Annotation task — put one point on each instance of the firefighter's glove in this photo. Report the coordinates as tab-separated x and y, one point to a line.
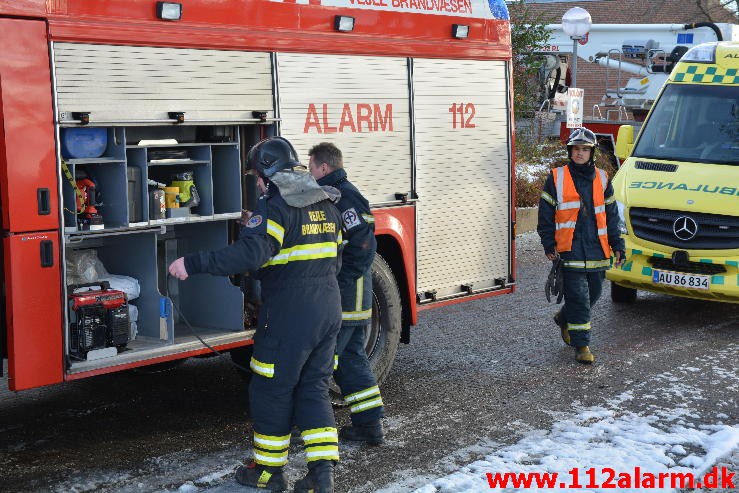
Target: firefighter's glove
555	282
560	281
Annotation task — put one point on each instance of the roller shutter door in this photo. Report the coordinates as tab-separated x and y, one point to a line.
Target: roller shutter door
463	170
139	83
360	104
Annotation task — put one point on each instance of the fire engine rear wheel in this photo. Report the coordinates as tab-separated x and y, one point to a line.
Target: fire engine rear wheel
620	294
383	335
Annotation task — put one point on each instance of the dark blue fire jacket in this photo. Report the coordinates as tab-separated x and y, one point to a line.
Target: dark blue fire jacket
295	253
355	276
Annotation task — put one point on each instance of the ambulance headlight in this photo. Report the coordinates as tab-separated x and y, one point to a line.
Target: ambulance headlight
621	217
703	53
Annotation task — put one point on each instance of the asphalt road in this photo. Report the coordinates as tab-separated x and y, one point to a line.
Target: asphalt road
475	376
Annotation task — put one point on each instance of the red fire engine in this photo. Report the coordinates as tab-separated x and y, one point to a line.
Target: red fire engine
124	126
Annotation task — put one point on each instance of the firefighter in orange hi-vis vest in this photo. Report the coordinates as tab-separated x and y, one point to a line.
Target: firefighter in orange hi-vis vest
578	226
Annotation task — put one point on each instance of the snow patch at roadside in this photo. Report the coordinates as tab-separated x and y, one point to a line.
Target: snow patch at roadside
669	435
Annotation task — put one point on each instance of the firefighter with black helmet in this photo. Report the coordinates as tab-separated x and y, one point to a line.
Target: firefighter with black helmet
578	227
353	374
292	244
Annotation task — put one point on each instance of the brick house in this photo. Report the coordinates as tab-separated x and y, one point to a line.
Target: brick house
590	76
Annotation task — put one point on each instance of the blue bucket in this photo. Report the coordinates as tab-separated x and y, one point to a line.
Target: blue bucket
83	142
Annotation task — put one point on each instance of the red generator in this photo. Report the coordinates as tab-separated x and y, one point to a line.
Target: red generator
98	319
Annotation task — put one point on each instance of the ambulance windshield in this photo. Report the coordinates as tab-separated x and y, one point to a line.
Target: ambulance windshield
694	123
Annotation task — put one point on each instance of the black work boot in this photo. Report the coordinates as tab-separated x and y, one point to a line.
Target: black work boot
262	477
371	433
320	478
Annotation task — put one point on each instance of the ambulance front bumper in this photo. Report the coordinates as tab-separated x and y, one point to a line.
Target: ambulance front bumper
652	270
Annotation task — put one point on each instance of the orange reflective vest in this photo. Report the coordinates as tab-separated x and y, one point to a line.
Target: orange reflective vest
568	207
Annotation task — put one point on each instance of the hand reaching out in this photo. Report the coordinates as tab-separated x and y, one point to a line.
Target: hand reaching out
177	269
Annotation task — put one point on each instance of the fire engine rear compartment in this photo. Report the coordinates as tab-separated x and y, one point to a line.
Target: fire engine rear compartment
135	241
168	181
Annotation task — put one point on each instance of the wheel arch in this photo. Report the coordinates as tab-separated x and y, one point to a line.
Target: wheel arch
390	250
395	230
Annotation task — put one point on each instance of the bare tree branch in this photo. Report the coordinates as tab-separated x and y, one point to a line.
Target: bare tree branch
701	4
711	8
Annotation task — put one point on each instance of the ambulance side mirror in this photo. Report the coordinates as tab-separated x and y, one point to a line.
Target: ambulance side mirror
624	141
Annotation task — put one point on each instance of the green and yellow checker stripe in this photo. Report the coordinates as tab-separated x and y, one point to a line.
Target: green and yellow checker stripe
646	270
705	73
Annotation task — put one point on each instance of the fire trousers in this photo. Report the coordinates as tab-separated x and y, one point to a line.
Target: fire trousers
581	290
292	362
354	376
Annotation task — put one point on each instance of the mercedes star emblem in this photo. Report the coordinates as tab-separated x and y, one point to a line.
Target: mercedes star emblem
685	228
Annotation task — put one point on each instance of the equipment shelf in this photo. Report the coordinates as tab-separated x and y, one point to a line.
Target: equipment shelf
177	162
122	175
95	160
180	144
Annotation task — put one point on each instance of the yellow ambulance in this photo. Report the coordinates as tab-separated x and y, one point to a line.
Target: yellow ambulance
678	188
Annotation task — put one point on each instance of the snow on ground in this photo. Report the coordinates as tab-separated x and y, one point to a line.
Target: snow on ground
669	436
600	438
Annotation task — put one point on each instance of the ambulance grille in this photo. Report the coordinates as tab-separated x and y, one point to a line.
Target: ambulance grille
714	231
646	165
691	268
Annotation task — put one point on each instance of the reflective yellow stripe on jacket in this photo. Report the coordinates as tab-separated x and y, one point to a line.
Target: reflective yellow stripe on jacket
275	230
358	313
307	251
